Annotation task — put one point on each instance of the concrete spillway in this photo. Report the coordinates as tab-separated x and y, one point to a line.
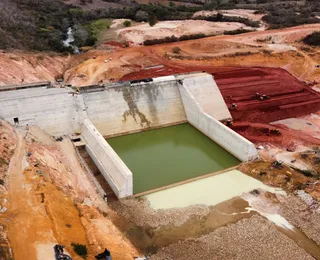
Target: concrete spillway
129	107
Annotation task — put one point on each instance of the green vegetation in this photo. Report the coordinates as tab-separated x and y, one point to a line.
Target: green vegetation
89	33
43	25
127	23
176	50
81	250
283	18
153	20
223	18
175	39
312	39
97	26
238	31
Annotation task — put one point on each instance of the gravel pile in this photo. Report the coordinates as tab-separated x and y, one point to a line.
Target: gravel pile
140	213
253	238
302	216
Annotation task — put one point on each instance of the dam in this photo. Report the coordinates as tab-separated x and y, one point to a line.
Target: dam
185	109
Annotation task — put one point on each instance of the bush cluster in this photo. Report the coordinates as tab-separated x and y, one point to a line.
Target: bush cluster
174	39
312	39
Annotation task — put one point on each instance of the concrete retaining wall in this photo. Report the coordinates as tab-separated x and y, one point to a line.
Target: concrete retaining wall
207	94
109	163
218	132
126	109
55	110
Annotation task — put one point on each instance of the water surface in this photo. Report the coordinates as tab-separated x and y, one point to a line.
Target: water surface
169	155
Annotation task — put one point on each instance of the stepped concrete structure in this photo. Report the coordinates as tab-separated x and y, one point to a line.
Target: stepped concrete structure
116	109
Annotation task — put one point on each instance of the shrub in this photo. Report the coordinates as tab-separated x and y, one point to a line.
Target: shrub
81	250
312	39
174	39
127	23
223	18
238	31
176	50
141	16
153	20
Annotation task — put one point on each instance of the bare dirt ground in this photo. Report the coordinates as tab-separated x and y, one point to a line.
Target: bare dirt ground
19	67
138	34
51	200
264	48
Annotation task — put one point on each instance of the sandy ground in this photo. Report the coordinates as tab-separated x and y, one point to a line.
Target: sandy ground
309	124
138	34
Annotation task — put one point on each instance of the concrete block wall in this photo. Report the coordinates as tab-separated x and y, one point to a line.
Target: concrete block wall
126	109
109	163
237	145
207	94
55	110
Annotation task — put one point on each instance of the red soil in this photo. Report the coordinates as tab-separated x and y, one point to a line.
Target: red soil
288	98
115	44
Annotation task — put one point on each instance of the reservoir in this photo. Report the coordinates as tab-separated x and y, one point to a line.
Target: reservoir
169	155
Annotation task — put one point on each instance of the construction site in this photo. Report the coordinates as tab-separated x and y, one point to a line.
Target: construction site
211	151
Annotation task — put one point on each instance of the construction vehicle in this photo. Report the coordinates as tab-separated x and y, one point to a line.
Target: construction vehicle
228	122
275	132
59	254
106	255
277	164
233	106
261	97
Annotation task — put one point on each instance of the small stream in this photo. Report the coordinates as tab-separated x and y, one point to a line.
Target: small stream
69	41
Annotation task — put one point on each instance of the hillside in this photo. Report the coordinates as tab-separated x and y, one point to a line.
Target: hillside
43	25
36	25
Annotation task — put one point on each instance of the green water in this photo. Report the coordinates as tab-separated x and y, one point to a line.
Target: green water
169	155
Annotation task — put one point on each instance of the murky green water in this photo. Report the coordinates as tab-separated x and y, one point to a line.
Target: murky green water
169	155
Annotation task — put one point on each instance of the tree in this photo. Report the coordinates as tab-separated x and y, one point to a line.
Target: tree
141	16
127	23
219	17
153	20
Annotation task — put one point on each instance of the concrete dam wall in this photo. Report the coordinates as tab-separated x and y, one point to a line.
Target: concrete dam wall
127	109
121	108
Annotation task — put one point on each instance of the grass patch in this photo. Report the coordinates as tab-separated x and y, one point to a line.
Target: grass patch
81	250
96	27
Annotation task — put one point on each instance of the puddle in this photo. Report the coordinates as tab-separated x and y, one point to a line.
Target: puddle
209	191
149	240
